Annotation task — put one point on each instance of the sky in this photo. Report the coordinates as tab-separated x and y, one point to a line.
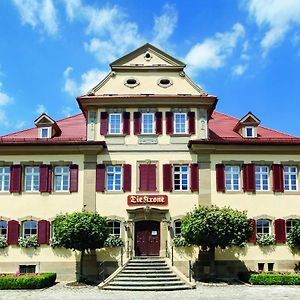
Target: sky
246	52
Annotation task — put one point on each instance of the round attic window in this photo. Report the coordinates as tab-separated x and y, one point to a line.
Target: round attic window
147	56
164	82
131	82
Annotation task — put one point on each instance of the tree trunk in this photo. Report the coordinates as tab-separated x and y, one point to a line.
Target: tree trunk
212	261
81	266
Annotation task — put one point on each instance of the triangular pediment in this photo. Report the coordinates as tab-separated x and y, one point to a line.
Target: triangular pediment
44	119
249	118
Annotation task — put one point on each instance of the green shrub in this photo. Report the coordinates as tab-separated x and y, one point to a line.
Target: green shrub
3	242
26	281
113	241
270	278
265	240
28	242
180	241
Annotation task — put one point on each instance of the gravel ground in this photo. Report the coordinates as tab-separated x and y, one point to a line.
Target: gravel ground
61	291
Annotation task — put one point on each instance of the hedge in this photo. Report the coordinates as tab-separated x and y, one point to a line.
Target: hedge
26	281
271	278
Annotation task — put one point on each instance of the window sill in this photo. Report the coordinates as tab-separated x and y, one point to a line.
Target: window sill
181	192
148	135
180	134
115	135
146	192
290	193
112	192
61	193
235	192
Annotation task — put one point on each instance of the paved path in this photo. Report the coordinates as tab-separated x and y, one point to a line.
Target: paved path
232	292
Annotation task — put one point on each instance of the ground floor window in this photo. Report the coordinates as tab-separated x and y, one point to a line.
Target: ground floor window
3	229
263	227
177	228
114	228
290	225
27	269
29	228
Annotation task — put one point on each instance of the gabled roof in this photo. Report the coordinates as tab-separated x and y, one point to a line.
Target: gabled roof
44	119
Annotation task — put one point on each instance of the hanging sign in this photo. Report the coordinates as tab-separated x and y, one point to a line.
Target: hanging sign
147	200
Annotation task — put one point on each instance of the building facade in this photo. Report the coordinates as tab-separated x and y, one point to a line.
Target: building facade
147	147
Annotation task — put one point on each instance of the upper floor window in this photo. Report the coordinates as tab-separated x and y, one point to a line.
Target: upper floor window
4	179
262	178
289	225
29	228
147	176
232	178
3	228
114	228
290	178
61	179
177	228
180	122
249	132
181	175
113	178
31	179
263	227
148	123
115	123
45	132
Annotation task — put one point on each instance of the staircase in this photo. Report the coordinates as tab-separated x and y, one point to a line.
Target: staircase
144	273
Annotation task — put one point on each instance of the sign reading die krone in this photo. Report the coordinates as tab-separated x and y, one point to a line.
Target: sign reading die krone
147	200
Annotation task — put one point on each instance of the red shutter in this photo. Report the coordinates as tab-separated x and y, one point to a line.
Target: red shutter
167	178
126	122
147	177
137	122
152	178
43	232
220	177
104	123
100	178
13	227
169	122
43	182
158	121
194	177
280	236
73	178
192	125
49	178
15	179
126	178
253	237
277	170
249	184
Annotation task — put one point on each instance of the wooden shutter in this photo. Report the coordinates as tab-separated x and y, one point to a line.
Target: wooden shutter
280	235
277	170
249	184
49	178
220	177
253	237
43	232
169	122
45	179
158	122
126	122
73	178
137	122
100	178
192	124
147	177
13	229
104	123
167	178
15	179
127	178
194	177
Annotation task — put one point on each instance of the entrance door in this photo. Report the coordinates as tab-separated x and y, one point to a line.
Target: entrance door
147	238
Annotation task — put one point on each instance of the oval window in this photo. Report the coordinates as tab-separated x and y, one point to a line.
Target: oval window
131	82
165	82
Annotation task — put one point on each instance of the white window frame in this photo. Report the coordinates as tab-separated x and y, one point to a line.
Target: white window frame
143	123
266	229
260	181
31	228
229	175
287	177
48	132
289	227
114	225
114	174
64	174
177	227
32	177
185	123
109	123
252	131
3	229
4	178
181	173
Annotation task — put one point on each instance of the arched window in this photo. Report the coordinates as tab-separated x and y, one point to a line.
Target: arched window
3	228
29	228
290	223
263	227
114	227
177	228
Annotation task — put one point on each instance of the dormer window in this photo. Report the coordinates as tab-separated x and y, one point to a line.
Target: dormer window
45	133
249	132
247	126
47	127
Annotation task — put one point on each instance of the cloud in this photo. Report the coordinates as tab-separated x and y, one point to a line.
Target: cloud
38	13
20	124
67	111
277	17
4	98
239	70
41	109
213	52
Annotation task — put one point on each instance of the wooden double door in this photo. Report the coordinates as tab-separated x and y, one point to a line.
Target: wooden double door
147	238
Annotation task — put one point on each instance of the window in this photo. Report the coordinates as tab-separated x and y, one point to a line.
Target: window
113	178
181	175
177	228
114	228
45	132
263	227
290	224
147	177
27	269
131	82
61	179
232	178
290	178
29	228
164	82
148	123
31	179
249	132
180	123
115	121
4	179
3	229
262	178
